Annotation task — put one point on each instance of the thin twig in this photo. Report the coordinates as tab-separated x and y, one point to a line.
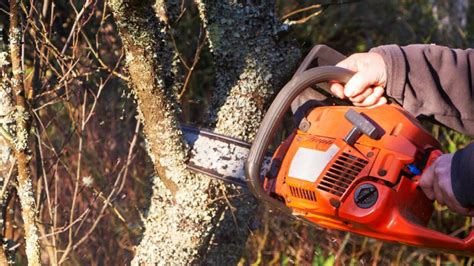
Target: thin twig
7	180
76	183
298	11
197	55
73	28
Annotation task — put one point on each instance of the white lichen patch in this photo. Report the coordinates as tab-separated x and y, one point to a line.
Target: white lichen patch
4	59
5	153
87	181
174	225
15	36
21	114
6	105
27	201
21	138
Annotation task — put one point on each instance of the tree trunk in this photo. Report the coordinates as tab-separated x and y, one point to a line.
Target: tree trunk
7	160
251	62
179	214
185	224
20	141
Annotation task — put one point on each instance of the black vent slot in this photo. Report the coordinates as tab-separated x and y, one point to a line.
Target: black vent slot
341	174
302	193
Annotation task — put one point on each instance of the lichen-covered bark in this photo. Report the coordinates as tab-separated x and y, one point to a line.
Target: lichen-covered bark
251	63
6	153
20	141
180	214
185	224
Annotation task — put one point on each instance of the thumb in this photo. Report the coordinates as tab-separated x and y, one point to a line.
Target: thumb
426	182
348	63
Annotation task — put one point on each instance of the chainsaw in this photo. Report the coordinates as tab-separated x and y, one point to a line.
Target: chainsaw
343	167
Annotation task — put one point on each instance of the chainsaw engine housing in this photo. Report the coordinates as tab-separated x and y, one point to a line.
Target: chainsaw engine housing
349	168
333	174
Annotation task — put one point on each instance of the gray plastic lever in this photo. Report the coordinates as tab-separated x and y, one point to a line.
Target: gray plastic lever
362	125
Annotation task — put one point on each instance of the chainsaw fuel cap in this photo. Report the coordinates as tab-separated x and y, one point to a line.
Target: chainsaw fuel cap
366	196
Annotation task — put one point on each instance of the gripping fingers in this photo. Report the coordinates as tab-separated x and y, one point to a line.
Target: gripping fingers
362	96
337	89
373	98
426	182
381	101
438	194
357	84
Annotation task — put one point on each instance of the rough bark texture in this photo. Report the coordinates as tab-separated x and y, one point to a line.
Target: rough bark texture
184	223
180	216
251	63
25	187
7	160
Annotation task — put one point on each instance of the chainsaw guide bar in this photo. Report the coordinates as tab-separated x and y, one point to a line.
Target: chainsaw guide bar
218	156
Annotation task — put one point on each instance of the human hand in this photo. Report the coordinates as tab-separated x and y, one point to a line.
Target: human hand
436	183
366	87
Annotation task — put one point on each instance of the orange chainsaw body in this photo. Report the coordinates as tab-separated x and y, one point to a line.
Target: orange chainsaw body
369	187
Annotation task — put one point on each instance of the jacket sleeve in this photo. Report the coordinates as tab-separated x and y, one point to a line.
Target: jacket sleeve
462	175
437	82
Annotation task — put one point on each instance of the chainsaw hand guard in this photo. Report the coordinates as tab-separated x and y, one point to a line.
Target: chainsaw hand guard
351	168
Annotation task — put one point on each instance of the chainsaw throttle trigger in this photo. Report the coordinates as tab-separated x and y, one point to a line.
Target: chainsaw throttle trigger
362	125
431	155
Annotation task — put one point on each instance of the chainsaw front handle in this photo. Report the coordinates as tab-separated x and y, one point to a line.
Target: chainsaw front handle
273	119
320	55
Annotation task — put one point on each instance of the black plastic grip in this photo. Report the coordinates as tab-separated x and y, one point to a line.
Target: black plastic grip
273	119
320	55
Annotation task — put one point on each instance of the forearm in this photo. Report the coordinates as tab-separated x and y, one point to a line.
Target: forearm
432	81
436	81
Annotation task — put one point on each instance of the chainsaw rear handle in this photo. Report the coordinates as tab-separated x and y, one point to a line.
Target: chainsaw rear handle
273	119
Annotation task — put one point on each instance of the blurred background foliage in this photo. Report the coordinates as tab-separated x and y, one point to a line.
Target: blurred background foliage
87	74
